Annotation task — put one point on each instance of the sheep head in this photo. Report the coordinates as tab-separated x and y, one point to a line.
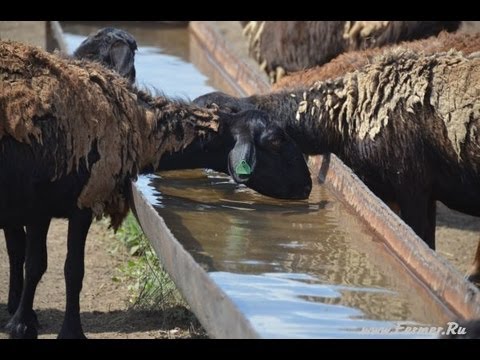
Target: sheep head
224	101
113	48
265	158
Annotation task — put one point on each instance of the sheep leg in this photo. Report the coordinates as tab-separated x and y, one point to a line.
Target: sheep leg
78	226
16	243
419	212
23	324
474	274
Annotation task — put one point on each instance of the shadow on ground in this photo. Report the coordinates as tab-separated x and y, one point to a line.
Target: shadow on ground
130	321
454	219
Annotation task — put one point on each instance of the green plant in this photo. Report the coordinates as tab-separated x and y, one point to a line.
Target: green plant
151	286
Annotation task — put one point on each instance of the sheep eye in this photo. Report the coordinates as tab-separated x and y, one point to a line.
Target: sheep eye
273	139
275	143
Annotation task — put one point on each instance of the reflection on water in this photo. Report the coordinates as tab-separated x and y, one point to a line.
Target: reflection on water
295	268
294	305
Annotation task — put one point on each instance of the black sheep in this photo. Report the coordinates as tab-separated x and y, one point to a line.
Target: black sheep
407	124
114	48
72	136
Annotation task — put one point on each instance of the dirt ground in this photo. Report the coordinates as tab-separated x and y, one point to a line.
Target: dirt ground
457	237
104	302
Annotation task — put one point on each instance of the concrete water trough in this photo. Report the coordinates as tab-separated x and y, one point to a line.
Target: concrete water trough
436	292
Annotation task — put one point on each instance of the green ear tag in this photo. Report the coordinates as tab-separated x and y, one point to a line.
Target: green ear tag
243	168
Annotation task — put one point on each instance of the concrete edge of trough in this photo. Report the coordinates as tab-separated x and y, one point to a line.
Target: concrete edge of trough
214	309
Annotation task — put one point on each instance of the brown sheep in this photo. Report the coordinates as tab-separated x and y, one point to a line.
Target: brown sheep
355	60
72	136
286	46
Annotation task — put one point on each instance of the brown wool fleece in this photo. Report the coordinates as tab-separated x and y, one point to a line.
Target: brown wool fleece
441	87
355	60
93	106
286	46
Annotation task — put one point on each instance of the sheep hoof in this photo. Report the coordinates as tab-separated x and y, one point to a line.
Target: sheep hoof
71	334
22	329
12	308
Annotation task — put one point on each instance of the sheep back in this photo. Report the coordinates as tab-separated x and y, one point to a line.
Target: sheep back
403	81
355	60
91	107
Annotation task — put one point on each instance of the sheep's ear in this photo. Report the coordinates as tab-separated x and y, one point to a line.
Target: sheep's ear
123	58
85	49
241	161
